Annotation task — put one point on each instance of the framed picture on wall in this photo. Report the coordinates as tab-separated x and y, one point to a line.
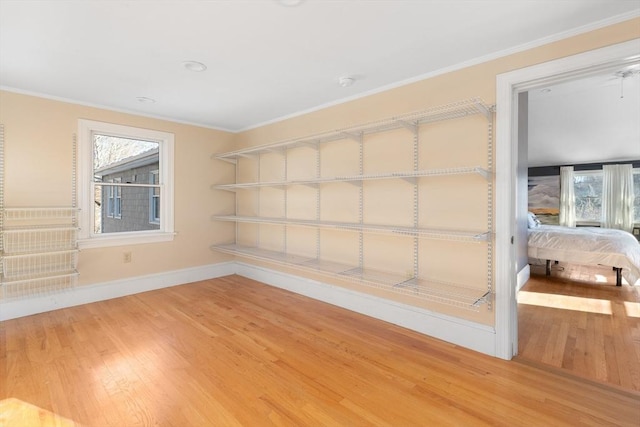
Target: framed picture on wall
544	198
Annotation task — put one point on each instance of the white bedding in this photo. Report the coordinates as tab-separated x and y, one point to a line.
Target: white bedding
587	246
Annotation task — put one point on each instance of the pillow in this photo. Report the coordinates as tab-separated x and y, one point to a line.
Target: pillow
532	220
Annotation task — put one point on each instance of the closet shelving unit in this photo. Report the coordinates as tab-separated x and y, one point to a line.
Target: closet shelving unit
413	285
38	245
469	236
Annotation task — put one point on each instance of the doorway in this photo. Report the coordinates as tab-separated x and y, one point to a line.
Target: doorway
510	218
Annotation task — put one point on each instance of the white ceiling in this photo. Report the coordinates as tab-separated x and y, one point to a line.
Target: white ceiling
587	120
265	61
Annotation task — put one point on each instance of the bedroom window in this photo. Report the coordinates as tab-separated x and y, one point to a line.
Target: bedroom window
125	185
588	196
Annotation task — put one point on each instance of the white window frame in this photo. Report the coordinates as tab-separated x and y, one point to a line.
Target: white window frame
117	199
87	237
154	218
109	199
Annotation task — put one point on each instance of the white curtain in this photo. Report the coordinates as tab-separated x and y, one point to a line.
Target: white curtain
567	197
617	197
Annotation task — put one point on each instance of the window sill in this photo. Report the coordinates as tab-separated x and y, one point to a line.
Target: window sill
124	239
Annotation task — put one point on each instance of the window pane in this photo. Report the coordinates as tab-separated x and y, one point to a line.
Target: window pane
110	152
130	212
130	161
588	193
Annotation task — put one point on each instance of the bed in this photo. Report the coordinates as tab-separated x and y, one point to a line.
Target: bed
587	246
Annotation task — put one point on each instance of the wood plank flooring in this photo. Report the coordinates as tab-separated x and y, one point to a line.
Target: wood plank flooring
234	352
579	321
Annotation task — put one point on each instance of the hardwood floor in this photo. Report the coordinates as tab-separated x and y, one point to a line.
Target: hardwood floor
231	352
579	321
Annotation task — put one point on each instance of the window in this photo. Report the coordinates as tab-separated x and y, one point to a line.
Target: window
154	198
588	194
125	184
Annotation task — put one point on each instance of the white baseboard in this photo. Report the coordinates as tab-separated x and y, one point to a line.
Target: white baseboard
447	328
523	277
457	331
12	309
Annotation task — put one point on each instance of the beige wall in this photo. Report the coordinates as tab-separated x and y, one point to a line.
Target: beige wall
38	165
38	136
448	261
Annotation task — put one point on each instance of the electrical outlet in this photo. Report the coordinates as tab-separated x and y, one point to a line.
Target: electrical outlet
127	257
636	231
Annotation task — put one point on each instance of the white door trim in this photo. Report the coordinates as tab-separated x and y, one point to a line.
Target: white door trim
508	85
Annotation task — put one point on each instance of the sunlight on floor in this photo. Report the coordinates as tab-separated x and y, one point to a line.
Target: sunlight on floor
16	413
632	309
566	302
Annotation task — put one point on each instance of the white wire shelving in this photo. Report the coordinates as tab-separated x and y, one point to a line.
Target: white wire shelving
38	285
445	112
409	176
18	267
441	234
39	251
23	216
41	238
38	245
431	290
413	284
